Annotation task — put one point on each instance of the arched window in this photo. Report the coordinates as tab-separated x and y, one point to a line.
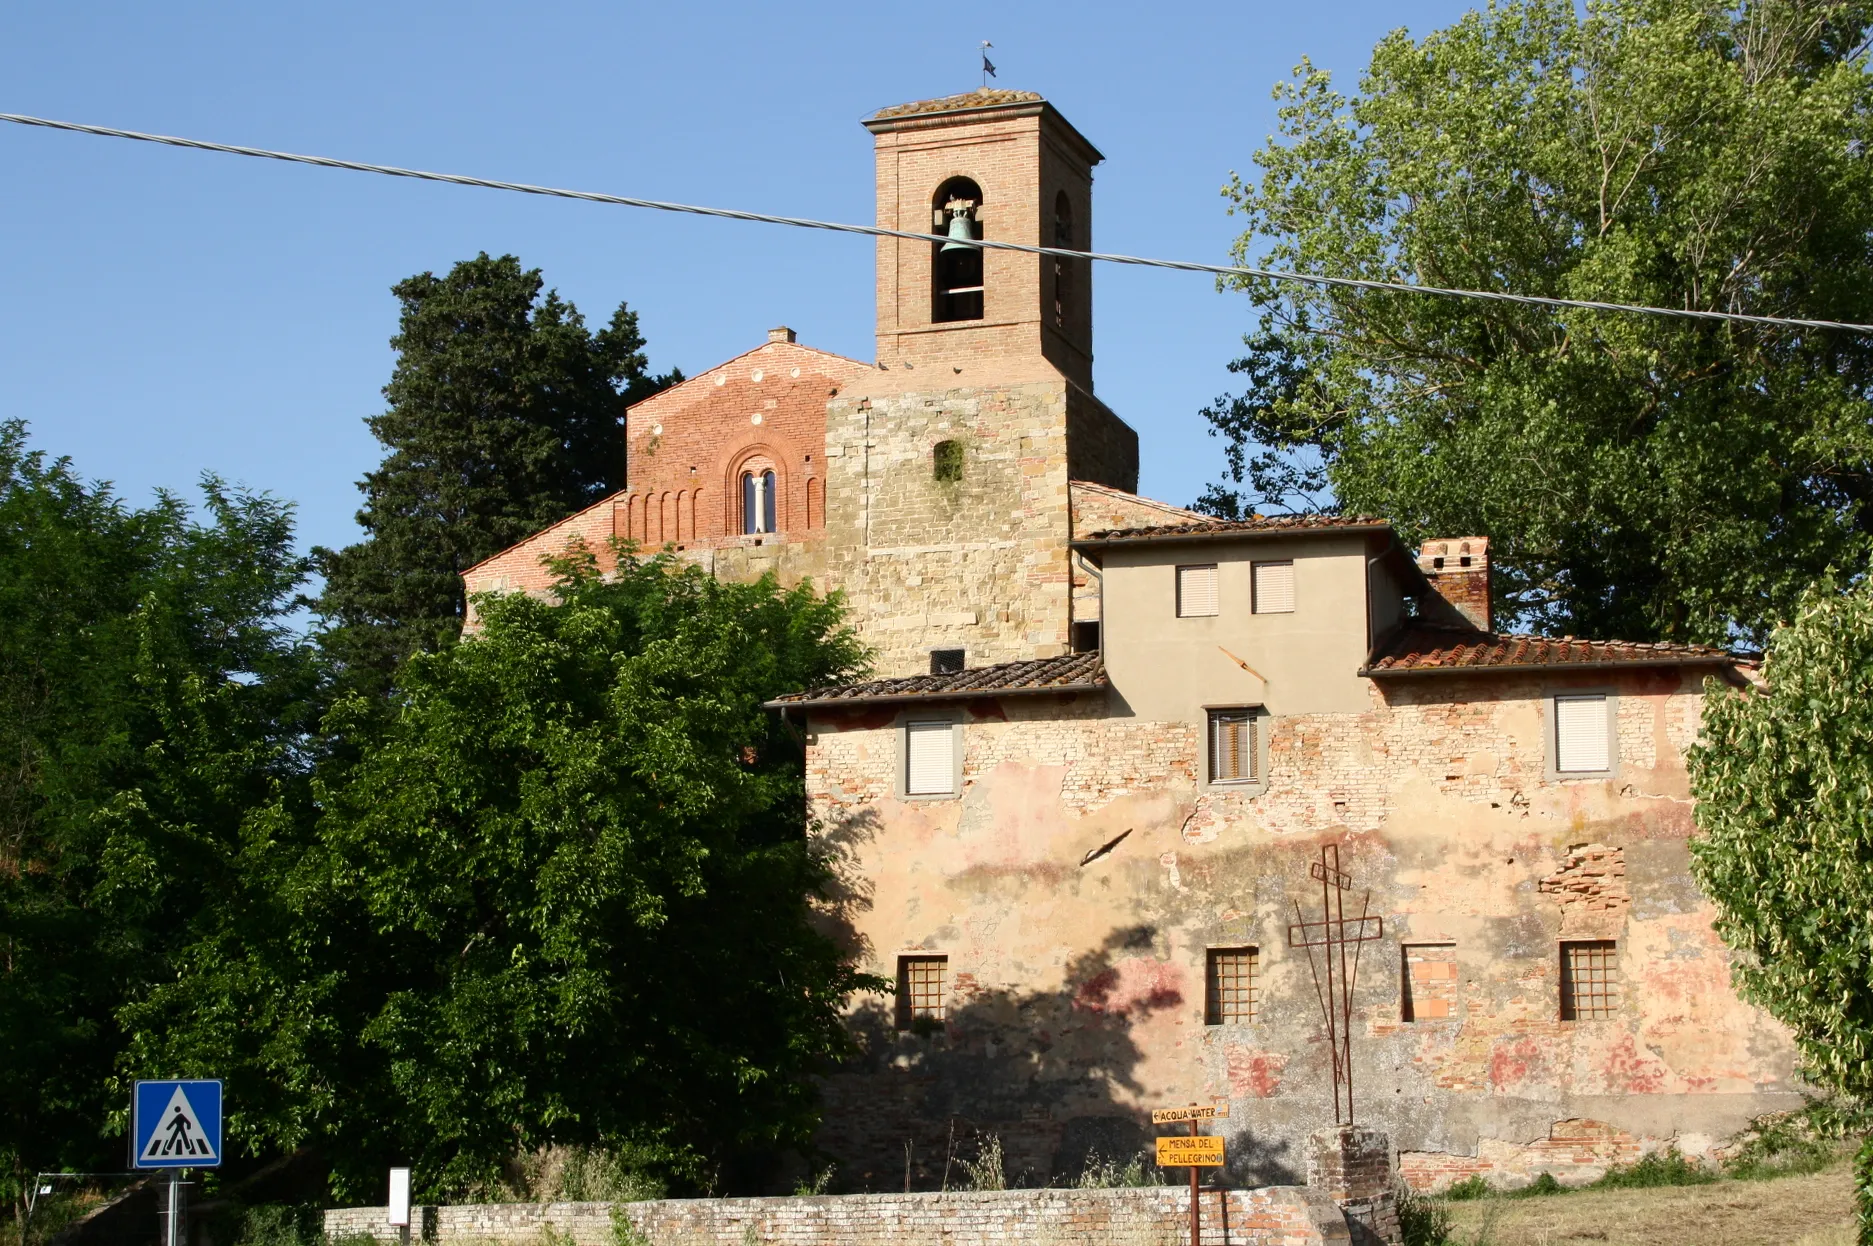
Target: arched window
1063	237
757	501
956	268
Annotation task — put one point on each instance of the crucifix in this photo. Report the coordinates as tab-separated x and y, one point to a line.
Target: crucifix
1334	987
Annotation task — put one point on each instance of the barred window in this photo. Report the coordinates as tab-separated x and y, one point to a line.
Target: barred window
1230	991
1589	979
921	982
1232	747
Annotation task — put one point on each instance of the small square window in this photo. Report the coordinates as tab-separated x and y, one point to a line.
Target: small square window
1230	989
1086	636
1583	738
1430	985
921	990
1233	756
1273	584
1196	591
930	759
1589	979
946	661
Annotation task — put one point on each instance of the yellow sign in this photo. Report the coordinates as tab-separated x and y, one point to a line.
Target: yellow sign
1198	1152
1170	1116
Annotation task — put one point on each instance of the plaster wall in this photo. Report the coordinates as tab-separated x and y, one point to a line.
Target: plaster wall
1166	669
1079	880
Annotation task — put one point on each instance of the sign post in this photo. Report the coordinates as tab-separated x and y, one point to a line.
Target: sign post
175	1124
1194	1152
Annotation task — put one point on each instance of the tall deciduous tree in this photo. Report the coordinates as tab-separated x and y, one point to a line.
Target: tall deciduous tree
1783	778
150	697
1641	477
560	896
505	414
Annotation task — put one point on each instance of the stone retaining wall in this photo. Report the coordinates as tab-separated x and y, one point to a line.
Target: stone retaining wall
1152	1216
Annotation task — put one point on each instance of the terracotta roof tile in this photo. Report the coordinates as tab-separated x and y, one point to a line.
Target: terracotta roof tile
987	97
1074	672
1430	650
1246	527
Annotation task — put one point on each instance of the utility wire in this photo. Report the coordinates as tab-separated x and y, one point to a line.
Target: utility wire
877	231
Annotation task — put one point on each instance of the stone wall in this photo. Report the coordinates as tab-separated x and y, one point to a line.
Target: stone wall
1281	1216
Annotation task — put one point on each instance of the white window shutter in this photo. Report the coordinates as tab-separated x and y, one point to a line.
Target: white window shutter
1196	591
1274	588
1233	756
1581	744
930	759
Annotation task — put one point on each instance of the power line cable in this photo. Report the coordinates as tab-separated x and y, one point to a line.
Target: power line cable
878	231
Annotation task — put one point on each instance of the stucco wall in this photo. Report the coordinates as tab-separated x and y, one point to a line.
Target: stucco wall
1076	976
1166	668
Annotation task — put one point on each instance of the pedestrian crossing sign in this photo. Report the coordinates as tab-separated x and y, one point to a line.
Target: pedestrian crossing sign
176	1124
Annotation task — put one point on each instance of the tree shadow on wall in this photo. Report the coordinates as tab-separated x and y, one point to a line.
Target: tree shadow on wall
848	891
1051	1075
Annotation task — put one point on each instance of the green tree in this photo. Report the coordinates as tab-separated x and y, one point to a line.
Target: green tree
1783	777
151	694
561	896
1641	477
505	414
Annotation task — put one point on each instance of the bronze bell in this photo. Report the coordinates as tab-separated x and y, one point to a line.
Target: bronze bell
960	232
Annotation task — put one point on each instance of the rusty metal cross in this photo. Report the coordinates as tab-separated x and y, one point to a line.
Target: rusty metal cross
1331	934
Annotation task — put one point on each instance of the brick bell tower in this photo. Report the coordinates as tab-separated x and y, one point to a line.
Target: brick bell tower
947	507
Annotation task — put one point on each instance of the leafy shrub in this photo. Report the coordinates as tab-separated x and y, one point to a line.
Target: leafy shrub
1540	1187
1471	1187
1660	1168
1422	1220
281	1224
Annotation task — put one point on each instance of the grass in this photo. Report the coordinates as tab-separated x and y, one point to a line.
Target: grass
1663	1204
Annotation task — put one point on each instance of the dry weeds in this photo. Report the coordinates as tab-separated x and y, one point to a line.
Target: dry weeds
1814	1210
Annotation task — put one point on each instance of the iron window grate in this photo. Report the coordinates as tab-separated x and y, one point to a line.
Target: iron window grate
1589	980
920	989
1230	988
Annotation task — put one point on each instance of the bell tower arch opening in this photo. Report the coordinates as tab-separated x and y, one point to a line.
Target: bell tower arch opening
990	166
956	289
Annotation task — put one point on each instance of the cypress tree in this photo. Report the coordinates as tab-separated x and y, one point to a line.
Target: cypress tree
505	414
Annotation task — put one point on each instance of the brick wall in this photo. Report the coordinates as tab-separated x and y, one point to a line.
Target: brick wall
1279	1216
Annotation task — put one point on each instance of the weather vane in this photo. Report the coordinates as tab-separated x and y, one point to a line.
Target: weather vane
988	66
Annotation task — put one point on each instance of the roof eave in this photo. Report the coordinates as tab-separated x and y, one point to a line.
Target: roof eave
900	698
1257	534
1509	668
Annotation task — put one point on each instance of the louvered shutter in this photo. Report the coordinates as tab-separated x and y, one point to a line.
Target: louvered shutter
1274	588
1232	759
930	759
1581	745
1196	591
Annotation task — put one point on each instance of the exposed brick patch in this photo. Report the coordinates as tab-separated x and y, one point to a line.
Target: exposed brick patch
1575	1151
1591	885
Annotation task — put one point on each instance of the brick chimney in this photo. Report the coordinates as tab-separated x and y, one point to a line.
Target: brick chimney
1458	569
780	333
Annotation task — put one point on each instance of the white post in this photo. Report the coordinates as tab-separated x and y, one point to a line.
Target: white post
172	1220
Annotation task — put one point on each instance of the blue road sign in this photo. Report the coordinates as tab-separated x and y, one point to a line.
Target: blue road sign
176	1124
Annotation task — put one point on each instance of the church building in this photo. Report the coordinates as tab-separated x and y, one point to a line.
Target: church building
1079	818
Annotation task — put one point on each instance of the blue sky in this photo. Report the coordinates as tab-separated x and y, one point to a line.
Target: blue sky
165	313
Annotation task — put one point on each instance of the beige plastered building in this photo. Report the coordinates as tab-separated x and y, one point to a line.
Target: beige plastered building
1073	818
